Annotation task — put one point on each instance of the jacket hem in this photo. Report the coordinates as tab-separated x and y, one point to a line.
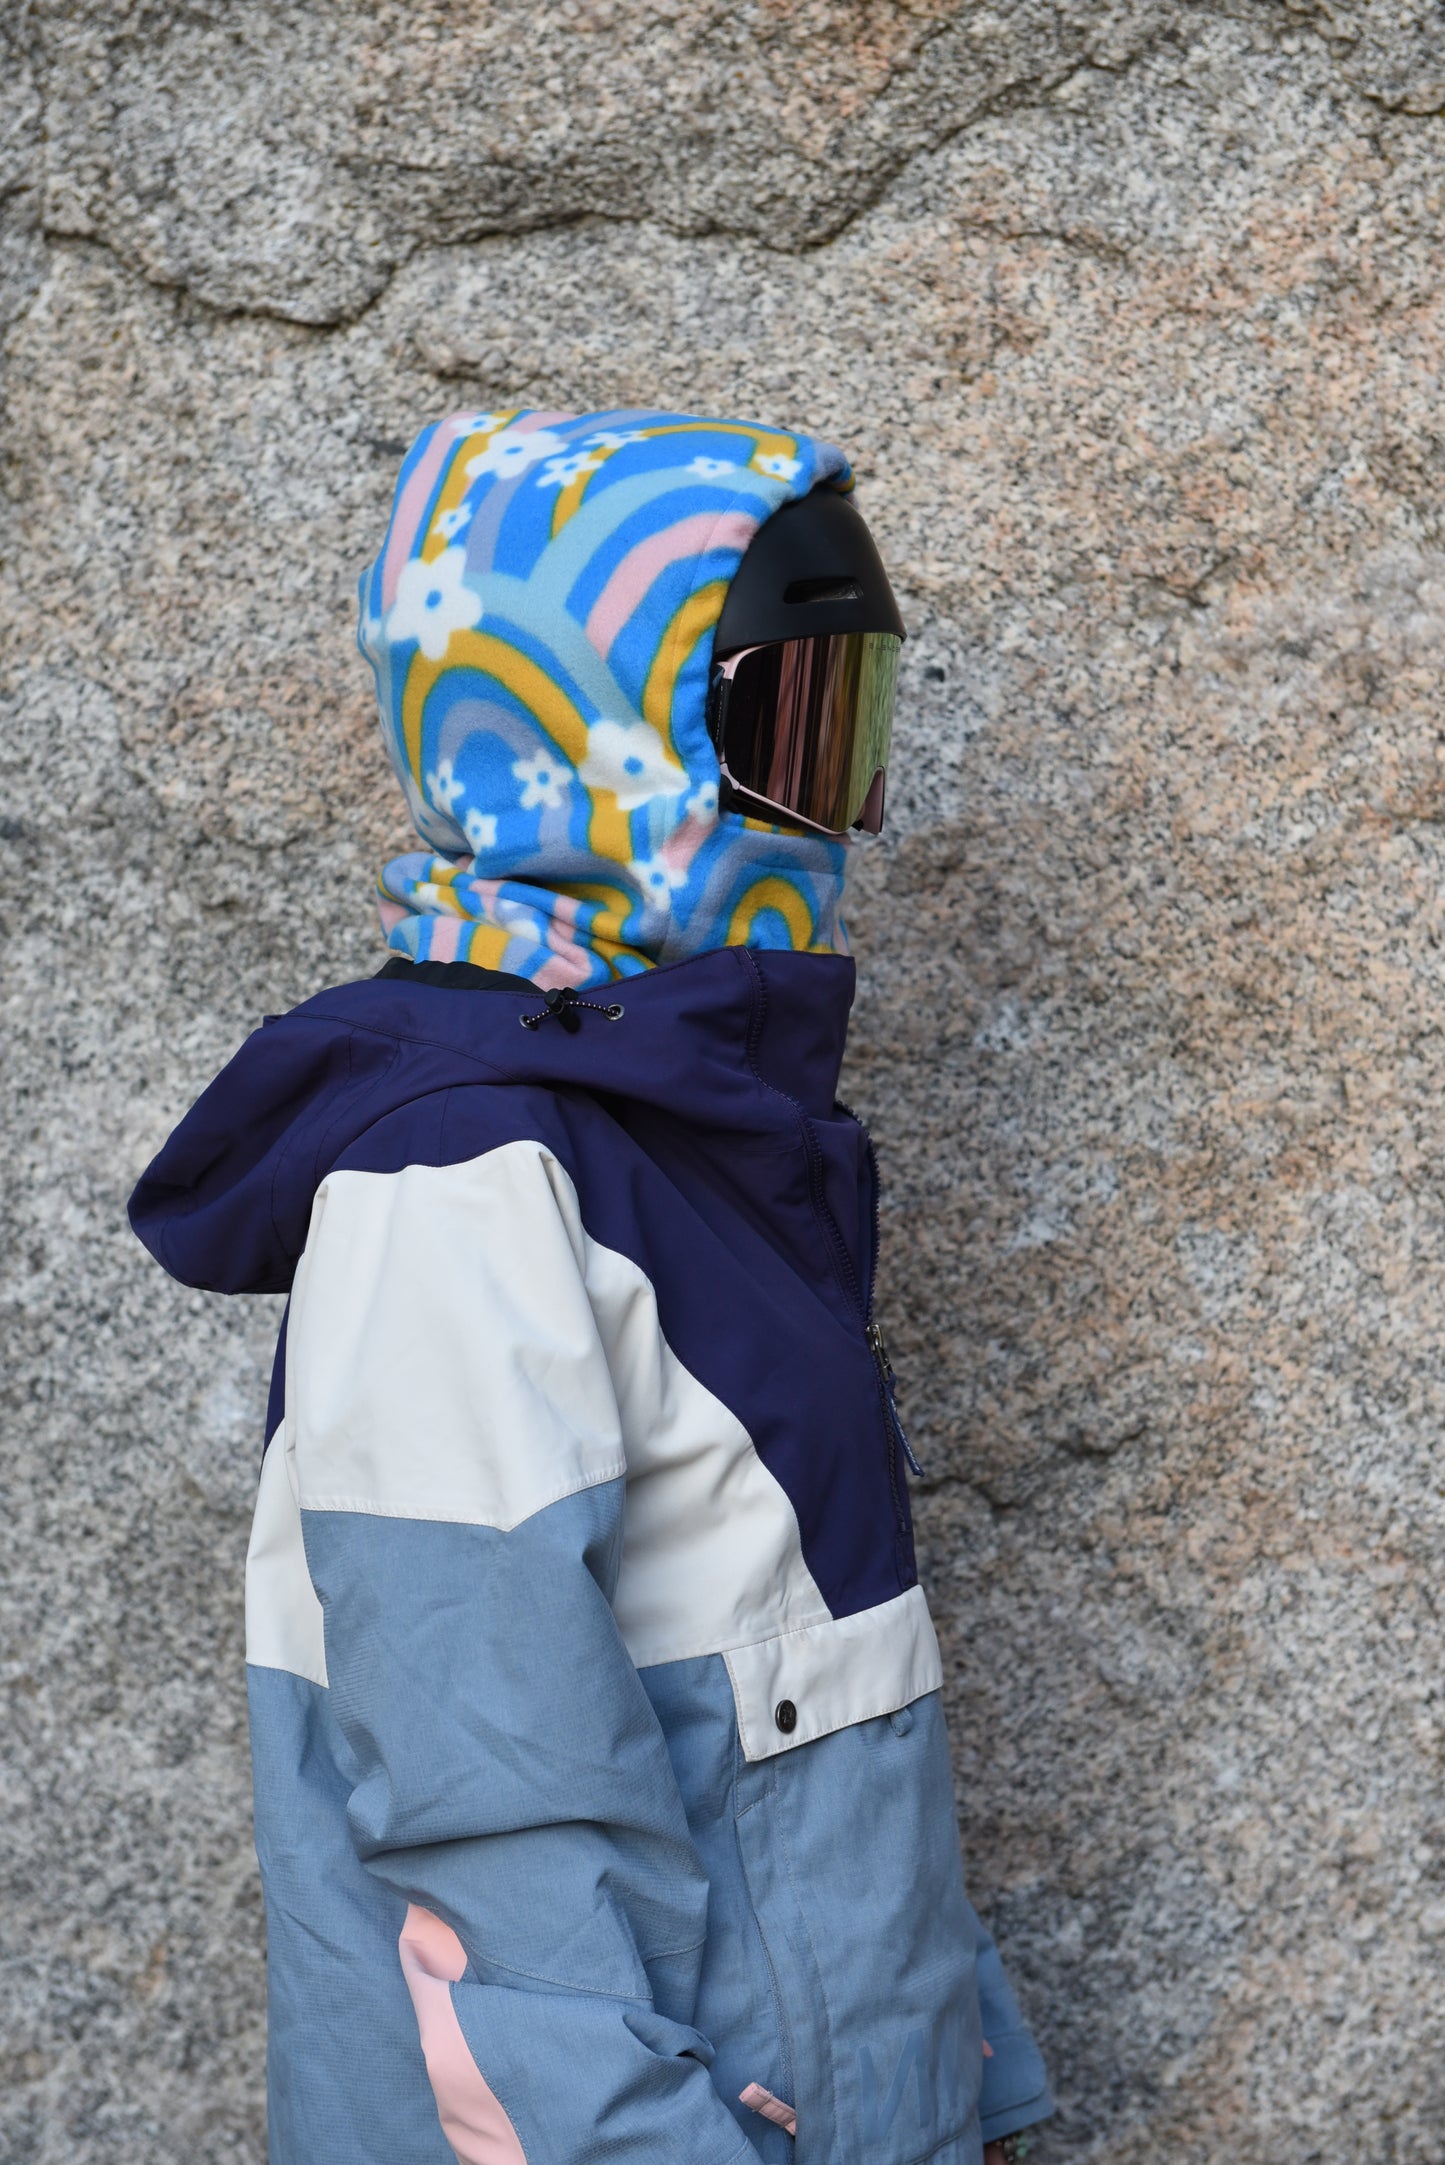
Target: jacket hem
1013	2119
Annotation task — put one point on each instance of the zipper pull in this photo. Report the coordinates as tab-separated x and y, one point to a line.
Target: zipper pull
878	1347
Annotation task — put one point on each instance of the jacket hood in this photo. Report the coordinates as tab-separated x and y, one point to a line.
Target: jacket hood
540	625
732	1043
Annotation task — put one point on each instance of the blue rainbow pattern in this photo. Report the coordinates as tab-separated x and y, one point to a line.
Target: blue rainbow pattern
540	624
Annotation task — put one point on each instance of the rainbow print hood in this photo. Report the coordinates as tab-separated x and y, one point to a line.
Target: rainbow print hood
540	625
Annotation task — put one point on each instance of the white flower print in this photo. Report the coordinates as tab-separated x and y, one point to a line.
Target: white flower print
630	759
656	877
472	424
441	899
774	463
712	469
481	830
432	602
456	521
443	787
557	473
512	450
544	781
612	439
702	804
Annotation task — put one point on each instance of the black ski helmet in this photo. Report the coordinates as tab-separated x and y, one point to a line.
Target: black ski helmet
813	567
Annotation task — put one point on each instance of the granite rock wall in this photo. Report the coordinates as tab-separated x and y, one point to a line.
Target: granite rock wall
1132	315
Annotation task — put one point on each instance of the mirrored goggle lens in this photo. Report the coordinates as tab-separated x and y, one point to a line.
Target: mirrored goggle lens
806	723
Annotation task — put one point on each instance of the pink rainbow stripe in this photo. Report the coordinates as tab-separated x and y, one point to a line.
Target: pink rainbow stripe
410	506
446	934
417	494
573	964
561	971
433	1960
626	589
679	849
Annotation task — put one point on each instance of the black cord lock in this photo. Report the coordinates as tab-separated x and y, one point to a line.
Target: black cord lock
563	1006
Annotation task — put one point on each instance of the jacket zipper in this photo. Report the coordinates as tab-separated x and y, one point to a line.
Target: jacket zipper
879	1348
877	1344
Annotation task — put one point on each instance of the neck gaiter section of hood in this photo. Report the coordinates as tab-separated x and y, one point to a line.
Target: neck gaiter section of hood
540	625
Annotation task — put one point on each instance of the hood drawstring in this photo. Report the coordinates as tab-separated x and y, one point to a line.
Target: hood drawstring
562	1005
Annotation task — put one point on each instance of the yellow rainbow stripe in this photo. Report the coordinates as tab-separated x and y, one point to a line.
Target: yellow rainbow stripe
455	485
486	945
569	499
772	893
609	831
616	903
768	443
516	672
697	616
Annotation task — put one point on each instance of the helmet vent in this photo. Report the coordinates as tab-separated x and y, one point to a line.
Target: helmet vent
834	589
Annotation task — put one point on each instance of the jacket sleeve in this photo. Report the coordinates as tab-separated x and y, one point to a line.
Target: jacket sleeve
458	1461
1015	2085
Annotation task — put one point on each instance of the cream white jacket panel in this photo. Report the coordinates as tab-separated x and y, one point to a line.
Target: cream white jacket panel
555	1376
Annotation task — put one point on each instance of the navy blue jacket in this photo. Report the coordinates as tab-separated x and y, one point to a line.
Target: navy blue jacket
603	1799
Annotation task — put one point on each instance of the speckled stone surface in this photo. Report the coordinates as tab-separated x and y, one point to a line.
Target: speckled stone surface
1133	317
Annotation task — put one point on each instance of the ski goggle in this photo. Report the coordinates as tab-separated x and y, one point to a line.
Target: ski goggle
802	727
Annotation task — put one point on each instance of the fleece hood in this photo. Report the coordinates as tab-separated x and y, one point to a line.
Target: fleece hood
540	625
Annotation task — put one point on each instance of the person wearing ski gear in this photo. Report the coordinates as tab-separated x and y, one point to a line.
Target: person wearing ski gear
603	1797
